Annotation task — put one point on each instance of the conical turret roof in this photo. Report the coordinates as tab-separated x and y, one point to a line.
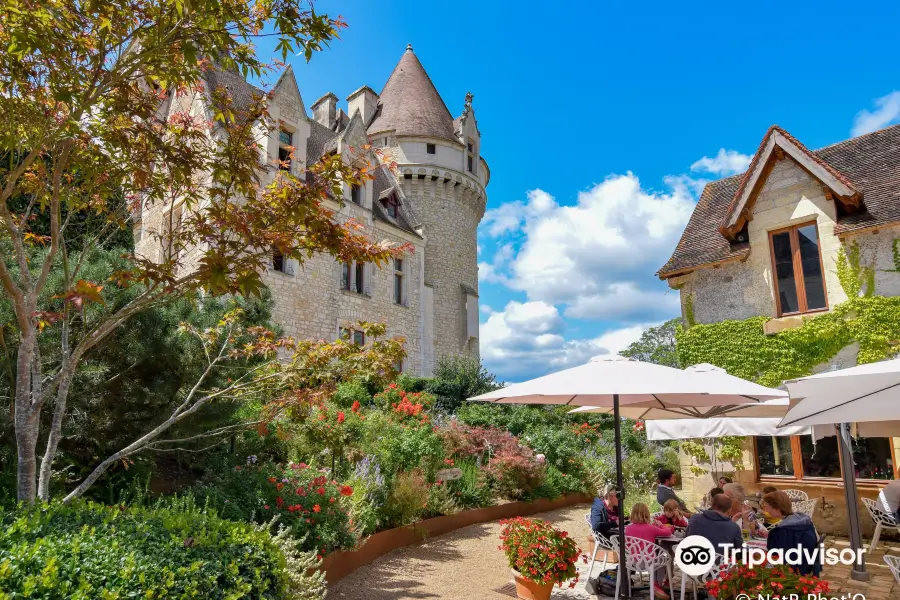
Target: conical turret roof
409	104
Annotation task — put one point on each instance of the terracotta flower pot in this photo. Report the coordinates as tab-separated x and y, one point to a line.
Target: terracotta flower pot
531	590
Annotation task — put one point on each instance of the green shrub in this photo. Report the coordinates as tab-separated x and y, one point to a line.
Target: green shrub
86	551
369	495
313	507
471	490
352	391
408	499
403	446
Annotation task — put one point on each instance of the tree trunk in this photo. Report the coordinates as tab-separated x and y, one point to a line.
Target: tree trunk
59	412
27	419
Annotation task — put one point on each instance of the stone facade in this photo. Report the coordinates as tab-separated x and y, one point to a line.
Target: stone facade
744	288
436	174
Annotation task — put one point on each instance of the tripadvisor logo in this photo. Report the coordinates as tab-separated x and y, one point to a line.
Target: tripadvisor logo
695	556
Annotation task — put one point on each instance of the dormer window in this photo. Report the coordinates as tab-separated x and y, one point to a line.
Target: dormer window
285	149
356	194
431	148
470	156
391	206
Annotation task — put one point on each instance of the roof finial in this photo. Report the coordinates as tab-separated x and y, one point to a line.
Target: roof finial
409	47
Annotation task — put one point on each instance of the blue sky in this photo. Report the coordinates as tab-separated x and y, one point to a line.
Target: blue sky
596	119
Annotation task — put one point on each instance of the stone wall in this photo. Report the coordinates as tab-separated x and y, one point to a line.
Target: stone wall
310	302
450	208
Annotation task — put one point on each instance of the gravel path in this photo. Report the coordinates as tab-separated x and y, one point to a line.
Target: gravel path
463	565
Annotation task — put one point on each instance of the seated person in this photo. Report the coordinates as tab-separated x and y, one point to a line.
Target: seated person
889	499
605	513
664	491
723	481
716	525
641	527
707	499
793	530
769	489
741	512
671	515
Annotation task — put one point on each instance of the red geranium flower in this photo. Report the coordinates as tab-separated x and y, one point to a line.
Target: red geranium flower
346	491
317	508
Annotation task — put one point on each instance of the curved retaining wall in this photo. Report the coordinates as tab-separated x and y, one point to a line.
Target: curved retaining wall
338	565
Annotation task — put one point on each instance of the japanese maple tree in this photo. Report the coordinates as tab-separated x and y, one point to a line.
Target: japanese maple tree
82	83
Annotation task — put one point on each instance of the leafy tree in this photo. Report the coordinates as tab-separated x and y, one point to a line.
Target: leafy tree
457	378
657	345
81	86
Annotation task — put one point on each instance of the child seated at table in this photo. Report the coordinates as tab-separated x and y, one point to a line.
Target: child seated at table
641	527
671	515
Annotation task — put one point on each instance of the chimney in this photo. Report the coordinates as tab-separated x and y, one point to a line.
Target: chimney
325	110
365	100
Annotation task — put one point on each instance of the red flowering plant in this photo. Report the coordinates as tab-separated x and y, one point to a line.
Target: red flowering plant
340	430
405	406
539	551
313	506
772	582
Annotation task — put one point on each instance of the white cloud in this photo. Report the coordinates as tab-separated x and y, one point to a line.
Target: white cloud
726	162
593	255
527	340
502	219
887	110
492	272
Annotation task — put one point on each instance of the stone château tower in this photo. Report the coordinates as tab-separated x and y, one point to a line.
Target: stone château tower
444	177
432	201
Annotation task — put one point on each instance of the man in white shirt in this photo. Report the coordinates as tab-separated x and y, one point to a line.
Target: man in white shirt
889	497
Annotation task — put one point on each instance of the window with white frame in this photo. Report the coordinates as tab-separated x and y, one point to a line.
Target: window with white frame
355	277
470	156
353	336
399	282
281	263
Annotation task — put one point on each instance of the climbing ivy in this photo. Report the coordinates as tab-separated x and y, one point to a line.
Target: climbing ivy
689	311
726	449
852	275
744	350
895	252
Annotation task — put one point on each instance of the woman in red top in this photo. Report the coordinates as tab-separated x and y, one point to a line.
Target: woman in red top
672	515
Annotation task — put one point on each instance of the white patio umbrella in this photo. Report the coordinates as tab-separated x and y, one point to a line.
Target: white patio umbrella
616	382
868	392
716	427
862	394
754	401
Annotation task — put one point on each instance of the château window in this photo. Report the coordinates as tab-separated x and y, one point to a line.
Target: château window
360	275
797	270
470	152
356	194
430	148
346	277
391	206
285	149
398	281
354	336
279	262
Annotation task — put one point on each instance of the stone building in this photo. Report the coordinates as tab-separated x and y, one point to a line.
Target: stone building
766	243
432	197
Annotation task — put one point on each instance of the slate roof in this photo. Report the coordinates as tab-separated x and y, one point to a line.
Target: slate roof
242	92
869	163
409	104
321	141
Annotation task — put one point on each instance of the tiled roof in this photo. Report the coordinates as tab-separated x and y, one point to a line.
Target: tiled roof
869	163
382	186
409	104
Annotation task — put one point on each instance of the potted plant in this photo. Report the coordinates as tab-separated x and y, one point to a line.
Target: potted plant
539	555
765	582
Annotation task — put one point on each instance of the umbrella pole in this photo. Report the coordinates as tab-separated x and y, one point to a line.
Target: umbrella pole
620	493
859	570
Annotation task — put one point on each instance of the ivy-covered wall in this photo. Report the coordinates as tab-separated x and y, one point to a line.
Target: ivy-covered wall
743	349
